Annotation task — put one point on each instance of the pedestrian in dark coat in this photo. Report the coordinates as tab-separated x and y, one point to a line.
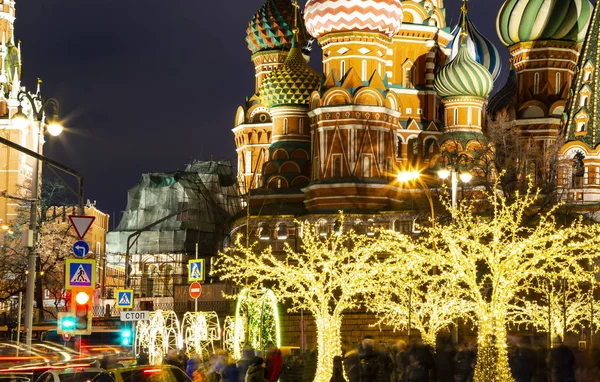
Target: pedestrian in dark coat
524	361
463	364
561	362
415	372
256	371
369	370
230	372
244	363
338	370
352	365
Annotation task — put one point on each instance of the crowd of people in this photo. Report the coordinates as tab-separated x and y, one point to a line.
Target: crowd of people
221	367
372	361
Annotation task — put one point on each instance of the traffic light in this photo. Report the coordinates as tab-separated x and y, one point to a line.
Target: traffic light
66	323
81	309
126	337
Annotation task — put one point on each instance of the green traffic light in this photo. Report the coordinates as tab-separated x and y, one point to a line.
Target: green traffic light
67	322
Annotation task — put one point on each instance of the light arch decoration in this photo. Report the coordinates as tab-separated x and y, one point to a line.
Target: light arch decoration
256	321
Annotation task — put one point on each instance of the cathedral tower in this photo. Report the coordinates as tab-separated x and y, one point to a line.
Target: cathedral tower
354	116
579	172
464	85
269	37
544	38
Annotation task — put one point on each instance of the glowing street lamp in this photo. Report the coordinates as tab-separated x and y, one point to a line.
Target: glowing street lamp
453	171
415	176
41	123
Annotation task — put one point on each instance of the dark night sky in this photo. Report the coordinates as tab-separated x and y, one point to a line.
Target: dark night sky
149	85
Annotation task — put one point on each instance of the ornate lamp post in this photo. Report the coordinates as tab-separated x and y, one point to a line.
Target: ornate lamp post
452	170
40	124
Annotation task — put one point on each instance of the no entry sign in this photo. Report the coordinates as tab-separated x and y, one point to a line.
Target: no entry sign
195	290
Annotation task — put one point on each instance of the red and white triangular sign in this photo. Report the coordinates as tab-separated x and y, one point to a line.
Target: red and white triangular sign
81	224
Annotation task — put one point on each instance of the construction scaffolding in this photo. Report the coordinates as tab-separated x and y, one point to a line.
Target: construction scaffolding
207	195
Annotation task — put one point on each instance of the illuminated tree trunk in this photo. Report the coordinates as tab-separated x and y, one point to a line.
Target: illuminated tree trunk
329	345
492	357
429	338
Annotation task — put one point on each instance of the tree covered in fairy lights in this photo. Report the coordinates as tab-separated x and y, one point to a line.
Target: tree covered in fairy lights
412	294
326	277
556	306
491	254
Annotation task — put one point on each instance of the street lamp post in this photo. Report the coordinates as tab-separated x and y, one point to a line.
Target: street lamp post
453	171
54	128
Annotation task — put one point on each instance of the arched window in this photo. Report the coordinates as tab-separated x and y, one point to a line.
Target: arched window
364	70
379	68
581	127
264	233
285	126
342	69
536	83
301	127
248	162
470	116
322	227
337	167
584	101
399	148
282	232
455	117
408	77
366	170
557	85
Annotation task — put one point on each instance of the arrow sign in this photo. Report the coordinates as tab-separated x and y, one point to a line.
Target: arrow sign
81	224
81	248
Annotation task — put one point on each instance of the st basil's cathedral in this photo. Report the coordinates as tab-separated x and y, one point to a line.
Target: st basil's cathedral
402	90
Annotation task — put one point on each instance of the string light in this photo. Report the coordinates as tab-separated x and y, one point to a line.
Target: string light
324	277
492	257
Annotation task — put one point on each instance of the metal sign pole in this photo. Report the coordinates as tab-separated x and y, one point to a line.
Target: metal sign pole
19	320
196	299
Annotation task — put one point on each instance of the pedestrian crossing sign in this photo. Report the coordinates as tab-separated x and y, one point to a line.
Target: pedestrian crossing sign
80	273
124	298
196	270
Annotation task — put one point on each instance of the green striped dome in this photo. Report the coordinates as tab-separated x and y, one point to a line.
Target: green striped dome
290	84
463	76
533	20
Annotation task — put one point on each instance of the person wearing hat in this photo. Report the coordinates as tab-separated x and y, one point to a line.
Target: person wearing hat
256	371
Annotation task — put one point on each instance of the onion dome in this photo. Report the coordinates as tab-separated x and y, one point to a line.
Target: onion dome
463	76
272	27
327	16
290	84
502	99
533	20
479	47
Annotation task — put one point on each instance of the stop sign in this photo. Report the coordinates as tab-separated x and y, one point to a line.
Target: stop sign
195	290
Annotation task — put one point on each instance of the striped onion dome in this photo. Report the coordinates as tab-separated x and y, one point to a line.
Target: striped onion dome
533	20
272	27
290	84
480	48
463	76
327	16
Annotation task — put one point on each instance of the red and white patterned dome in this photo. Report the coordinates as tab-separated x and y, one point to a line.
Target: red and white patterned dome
327	16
